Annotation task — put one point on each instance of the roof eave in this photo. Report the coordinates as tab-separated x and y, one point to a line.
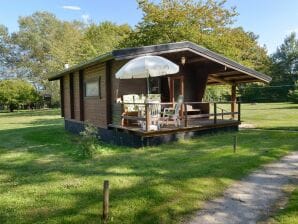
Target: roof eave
129	53
101	58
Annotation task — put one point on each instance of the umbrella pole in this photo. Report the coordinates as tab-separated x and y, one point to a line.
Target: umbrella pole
148	89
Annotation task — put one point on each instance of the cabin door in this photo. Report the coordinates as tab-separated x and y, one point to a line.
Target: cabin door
176	87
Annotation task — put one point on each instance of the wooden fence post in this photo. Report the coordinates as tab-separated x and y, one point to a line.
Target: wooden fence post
185	115
235	144
105	209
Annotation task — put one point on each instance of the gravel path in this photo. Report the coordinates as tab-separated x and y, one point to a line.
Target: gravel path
251	199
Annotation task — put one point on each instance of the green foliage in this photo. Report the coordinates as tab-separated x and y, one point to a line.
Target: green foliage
15	92
89	140
293	94
207	23
106	36
9	54
46	43
285	65
217	93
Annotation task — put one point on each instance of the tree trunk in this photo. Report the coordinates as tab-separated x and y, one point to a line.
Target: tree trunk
11	107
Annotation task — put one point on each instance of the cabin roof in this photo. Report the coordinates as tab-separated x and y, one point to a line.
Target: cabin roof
170	48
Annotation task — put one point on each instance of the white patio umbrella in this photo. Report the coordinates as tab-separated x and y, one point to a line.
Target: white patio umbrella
145	67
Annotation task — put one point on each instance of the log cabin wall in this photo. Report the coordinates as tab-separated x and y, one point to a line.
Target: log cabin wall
66	97
95	106
76	93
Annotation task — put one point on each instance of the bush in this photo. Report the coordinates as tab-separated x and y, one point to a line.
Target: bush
293	96
89	140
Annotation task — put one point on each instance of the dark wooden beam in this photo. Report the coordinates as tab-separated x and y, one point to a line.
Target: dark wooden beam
197	59
71	95
220	80
81	95
233	99
108	92
242	77
226	73
62	96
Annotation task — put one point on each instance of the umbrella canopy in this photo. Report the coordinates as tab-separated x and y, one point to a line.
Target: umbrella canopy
147	66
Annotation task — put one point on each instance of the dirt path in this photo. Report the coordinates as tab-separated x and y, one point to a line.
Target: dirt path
251	199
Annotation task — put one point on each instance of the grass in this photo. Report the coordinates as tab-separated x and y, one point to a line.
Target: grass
289	215
42	180
272	116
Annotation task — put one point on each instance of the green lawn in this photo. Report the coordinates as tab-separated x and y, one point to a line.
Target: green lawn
42	180
289	215
280	116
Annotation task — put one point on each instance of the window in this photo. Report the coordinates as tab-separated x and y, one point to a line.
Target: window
92	88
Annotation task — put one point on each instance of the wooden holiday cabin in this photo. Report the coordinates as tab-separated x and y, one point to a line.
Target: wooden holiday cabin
91	93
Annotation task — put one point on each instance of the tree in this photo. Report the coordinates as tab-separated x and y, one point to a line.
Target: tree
15	92
9	54
106	36
207	23
47	44
285	66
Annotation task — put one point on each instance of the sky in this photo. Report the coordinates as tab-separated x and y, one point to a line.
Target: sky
271	20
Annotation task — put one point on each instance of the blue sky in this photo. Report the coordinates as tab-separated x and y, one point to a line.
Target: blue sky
272	20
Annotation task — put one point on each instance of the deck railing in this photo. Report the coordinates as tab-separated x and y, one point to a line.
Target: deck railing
188	111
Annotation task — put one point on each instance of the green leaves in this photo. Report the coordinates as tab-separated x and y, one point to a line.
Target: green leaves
14	92
47	43
207	23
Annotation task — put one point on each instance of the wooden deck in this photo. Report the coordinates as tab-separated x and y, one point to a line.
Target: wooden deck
193	125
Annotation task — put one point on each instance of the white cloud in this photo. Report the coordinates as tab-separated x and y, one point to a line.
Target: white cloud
71	7
86	18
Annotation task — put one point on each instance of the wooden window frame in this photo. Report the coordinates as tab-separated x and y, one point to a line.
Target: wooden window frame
98	79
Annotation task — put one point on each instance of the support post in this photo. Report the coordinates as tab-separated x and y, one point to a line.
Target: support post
147	116
239	111
233	100
62	95
215	113
81	95
185	115
105	209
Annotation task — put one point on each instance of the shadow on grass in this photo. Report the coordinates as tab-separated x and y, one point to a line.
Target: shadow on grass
279	128
33	113
146	184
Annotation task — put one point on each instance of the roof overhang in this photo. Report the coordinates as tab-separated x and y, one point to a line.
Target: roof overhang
101	58
233	72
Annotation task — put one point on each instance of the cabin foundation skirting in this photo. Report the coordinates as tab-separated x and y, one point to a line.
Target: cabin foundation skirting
130	139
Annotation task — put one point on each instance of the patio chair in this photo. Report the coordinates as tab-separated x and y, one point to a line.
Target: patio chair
154	113
173	113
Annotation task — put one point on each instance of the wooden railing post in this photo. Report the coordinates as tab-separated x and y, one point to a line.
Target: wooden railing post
185	115
239	111
215	113
233	100
105	209
147	112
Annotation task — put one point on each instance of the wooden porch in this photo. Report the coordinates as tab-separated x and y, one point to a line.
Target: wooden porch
218	115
